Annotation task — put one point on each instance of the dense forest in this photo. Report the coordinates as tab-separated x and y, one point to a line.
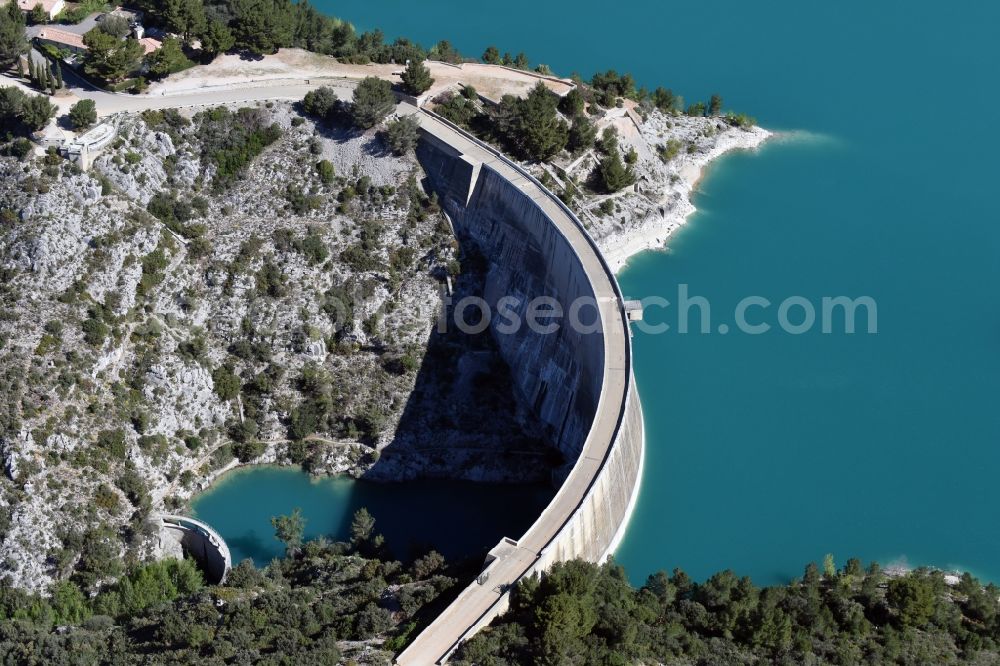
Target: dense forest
325	602
322	602
263	26
581	613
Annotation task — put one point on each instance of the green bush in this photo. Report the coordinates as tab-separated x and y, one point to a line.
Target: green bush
324	168
95	331
373	101
225	382
113	441
401	135
83	114
322	102
417	78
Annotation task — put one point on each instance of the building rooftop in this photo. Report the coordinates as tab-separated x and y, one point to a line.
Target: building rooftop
61	37
76	41
149	44
28	5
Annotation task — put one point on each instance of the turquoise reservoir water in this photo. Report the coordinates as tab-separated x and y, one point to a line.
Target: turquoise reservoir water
765	452
459	519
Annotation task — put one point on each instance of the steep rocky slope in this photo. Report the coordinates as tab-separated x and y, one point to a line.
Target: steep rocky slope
176	311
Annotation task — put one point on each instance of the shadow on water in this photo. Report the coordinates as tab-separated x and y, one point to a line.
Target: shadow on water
252	545
458	518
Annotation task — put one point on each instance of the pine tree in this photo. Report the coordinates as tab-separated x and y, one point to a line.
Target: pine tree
20	68
613	175
715	105
541	131
581	134
12	39
417	78
373	101
491	56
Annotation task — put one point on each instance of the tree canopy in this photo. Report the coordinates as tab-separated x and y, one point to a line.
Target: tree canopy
115	25
584	613
12	41
401	135
612	173
262	26
321	102
37	111
581	134
531	126
289	529
217	38
185	17
715	105
417	78
109	57
83	114
491	56
167	59
373	101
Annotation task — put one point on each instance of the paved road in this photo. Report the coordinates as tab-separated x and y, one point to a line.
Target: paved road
109	103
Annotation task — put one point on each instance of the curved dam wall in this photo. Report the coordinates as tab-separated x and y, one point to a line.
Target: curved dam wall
579	381
200	541
558	374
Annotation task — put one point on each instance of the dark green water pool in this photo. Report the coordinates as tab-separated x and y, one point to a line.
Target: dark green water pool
459	519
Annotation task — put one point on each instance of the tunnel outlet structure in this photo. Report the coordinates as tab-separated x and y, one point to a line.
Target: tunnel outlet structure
199	540
579	382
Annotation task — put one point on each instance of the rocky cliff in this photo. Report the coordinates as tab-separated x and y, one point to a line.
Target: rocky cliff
223	287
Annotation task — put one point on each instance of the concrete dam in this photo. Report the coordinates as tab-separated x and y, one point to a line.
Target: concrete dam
579	382
180	535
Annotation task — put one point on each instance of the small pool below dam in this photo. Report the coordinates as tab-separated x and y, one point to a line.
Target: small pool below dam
457	518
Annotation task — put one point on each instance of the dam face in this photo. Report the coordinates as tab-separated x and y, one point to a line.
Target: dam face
578	380
197	539
558	374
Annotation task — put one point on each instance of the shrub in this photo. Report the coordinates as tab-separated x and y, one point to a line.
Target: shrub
94	331
113	441
417	78
612	174
741	120
373	101
37	111
401	135
669	150
325	170
20	147
168	59
581	134
248	450
225	382
83	114
321	102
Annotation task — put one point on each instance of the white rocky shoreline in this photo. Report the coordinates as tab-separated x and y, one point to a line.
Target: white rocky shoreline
651	231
